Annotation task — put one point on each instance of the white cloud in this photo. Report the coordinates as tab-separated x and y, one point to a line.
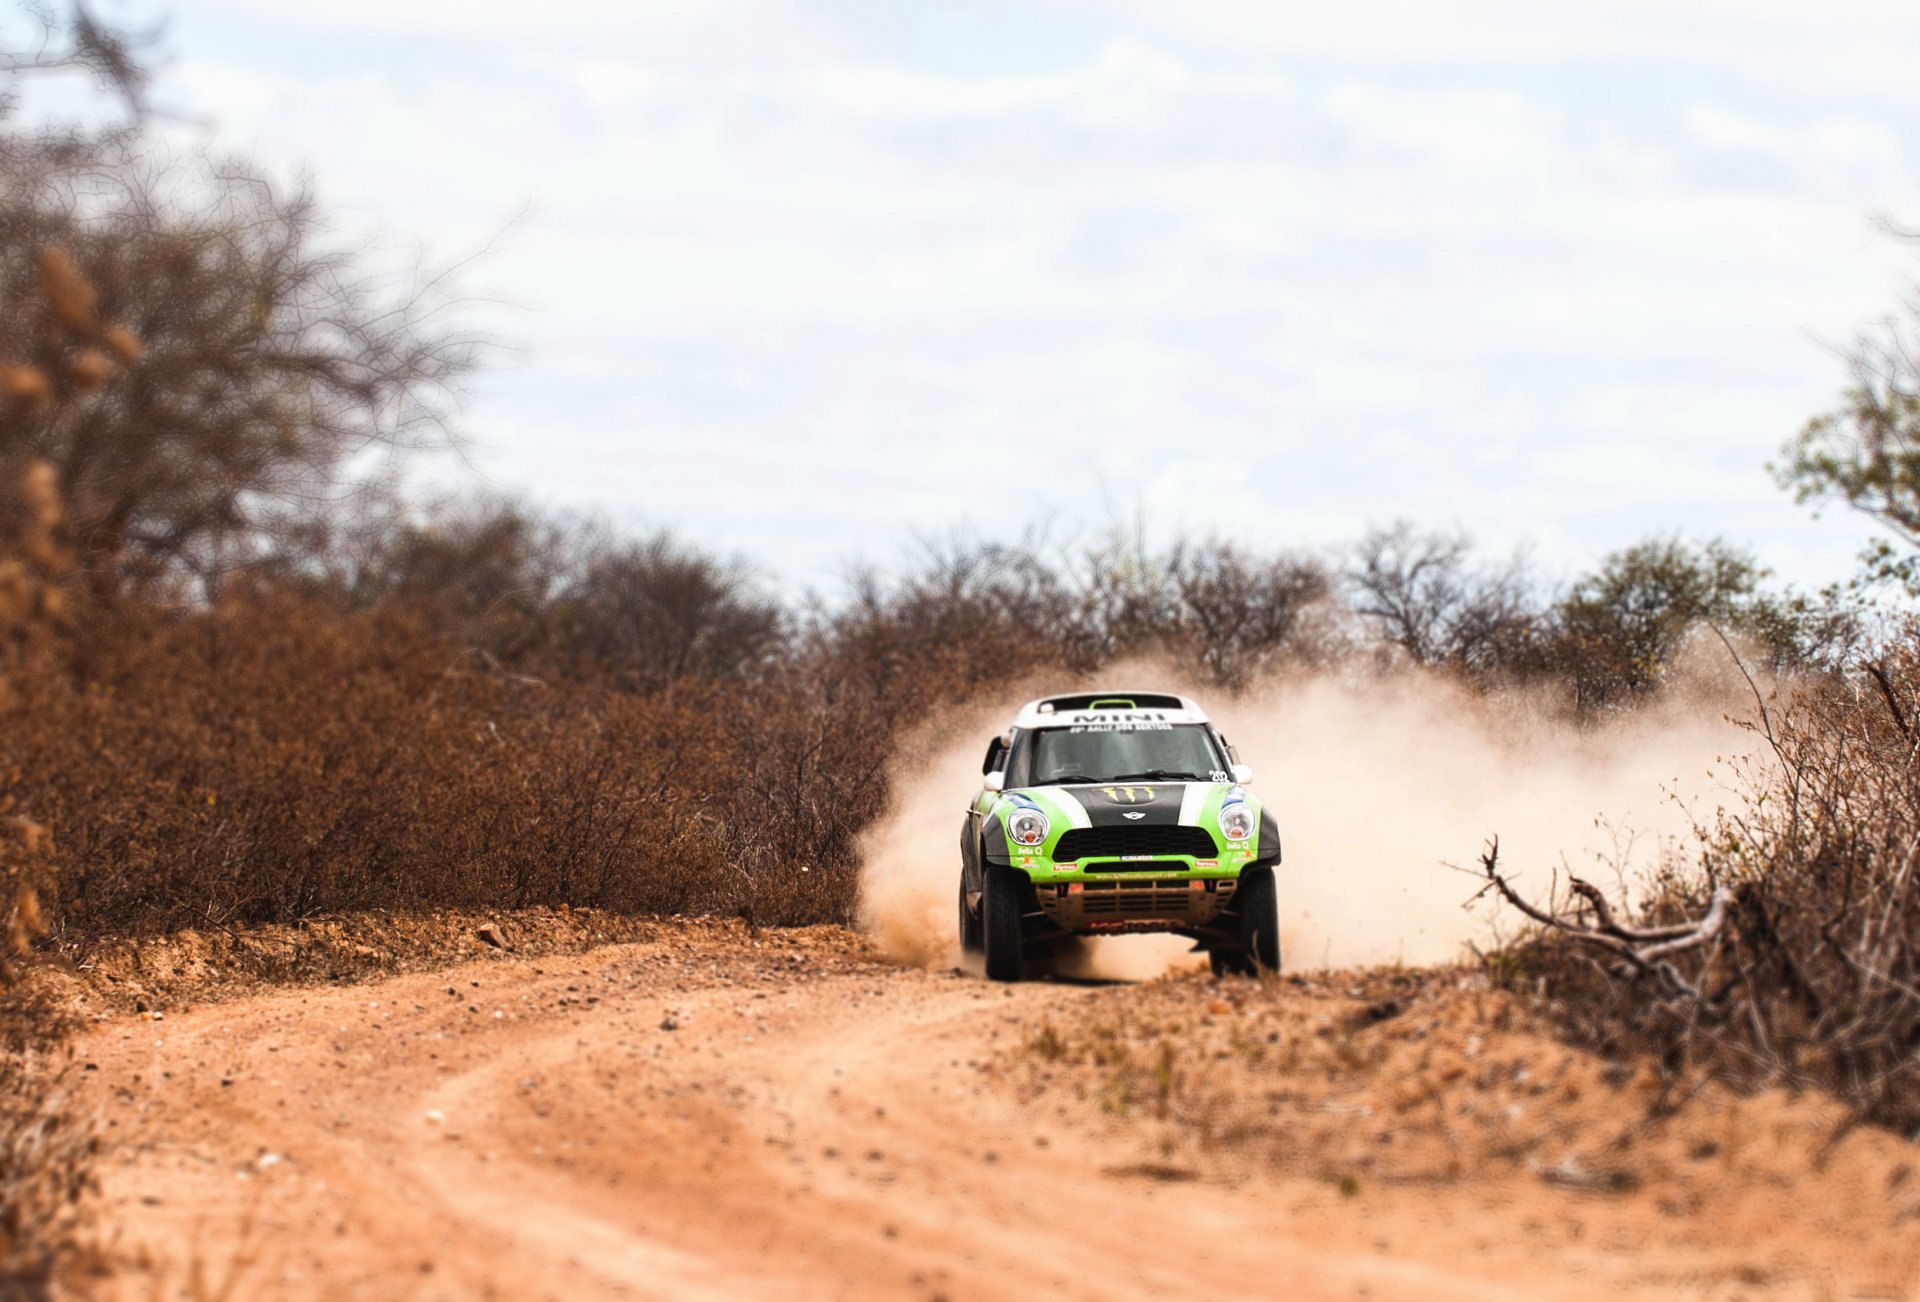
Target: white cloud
729	33
802	283
1849	48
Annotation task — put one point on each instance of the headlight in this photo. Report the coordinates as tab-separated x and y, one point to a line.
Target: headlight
1237	822
1027	827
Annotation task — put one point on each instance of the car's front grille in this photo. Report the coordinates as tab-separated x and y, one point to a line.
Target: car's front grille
1133	903
1118	842
1156	900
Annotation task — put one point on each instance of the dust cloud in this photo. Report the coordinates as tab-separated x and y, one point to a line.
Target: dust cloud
1377	785
910	858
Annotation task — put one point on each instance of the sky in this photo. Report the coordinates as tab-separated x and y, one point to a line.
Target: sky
808	279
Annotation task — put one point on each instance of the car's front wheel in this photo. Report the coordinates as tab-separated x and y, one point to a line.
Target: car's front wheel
1000	904
971	940
1258	904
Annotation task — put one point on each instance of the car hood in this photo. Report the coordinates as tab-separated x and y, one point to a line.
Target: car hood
1139	804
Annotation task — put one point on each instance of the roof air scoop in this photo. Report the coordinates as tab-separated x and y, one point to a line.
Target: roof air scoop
1095	701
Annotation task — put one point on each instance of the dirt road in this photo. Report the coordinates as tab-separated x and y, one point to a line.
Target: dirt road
790	1117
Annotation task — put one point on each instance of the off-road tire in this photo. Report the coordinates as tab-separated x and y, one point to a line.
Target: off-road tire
971	939
1258	905
1229	962
1000	918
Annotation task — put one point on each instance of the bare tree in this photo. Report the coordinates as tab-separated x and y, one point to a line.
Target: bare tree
272	356
1244	613
77	41
1426	597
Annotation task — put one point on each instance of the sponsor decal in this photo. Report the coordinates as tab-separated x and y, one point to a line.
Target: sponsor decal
1128	795
1121	727
1065	867
1203	865
1096	718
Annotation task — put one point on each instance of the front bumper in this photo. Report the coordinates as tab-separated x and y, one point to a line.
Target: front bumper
1136	901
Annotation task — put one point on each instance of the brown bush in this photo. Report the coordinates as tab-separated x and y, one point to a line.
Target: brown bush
46	1150
547	595
267	760
1785	948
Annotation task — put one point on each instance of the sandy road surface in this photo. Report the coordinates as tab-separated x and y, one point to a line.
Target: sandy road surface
792	1119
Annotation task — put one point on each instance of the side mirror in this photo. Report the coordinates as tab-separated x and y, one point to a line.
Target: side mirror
995	782
996	752
1242	774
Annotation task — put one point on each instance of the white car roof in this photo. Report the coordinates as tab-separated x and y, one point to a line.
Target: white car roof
1082	708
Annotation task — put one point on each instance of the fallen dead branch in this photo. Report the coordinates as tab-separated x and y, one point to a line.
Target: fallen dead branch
1638	952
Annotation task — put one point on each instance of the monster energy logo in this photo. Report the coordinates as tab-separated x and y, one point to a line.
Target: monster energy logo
1128	795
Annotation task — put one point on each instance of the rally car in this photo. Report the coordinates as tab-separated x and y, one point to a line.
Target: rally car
1116	812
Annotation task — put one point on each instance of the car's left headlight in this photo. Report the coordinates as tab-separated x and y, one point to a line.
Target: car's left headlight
1027	827
1237	822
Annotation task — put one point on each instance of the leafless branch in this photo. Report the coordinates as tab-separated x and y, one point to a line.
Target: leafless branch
1639	951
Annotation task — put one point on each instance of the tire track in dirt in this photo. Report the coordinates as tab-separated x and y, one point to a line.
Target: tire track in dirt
677	1119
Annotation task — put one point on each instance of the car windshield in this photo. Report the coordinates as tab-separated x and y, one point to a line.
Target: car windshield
1176	753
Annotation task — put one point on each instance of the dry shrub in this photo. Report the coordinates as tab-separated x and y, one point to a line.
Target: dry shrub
46	1148
1807	973
47	1153
267	760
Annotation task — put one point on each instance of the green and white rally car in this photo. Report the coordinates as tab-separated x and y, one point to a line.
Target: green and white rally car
1111	813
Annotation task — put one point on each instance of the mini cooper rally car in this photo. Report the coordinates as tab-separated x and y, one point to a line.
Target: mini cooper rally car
1114	813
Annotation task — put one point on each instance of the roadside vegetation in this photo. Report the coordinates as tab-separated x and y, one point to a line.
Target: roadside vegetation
1783	947
246	682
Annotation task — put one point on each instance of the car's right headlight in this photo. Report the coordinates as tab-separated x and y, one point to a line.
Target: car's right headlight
1237	822
1027	827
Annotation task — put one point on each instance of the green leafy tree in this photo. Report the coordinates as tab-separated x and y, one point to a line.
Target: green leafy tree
1620	628
1866	453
